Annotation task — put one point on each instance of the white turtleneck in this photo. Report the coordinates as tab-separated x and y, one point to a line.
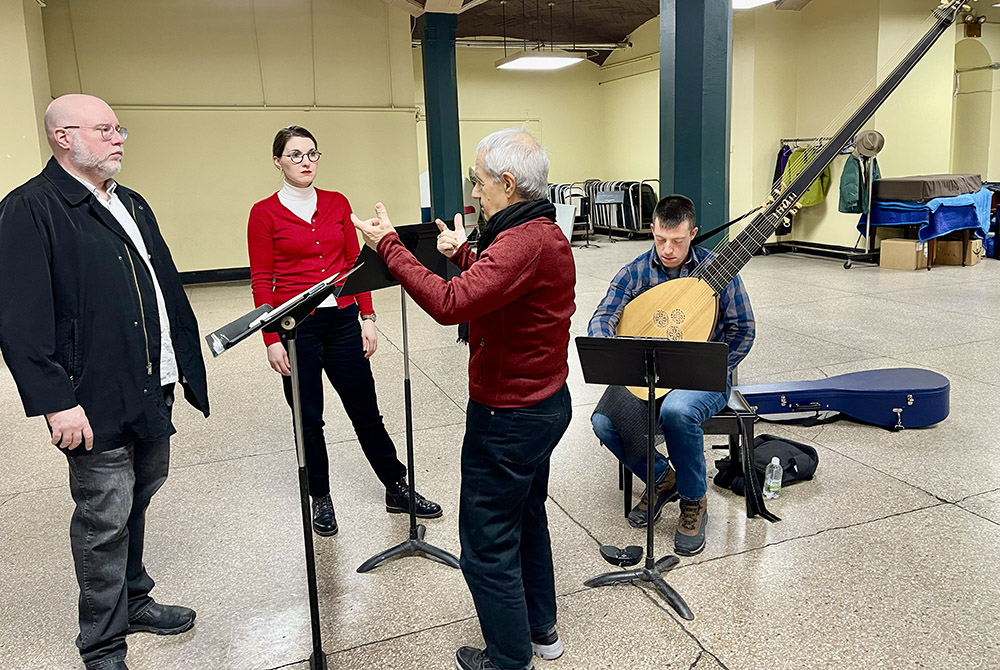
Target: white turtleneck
302	203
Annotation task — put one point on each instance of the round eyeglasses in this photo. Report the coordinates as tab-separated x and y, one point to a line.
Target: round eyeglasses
297	156
107	132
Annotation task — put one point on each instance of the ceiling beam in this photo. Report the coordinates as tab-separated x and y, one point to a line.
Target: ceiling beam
443	6
411	7
469	4
792	4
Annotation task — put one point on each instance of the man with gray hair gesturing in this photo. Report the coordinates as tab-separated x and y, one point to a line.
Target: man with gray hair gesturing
516	290
96	330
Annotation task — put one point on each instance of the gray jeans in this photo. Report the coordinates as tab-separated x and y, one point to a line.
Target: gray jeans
112	490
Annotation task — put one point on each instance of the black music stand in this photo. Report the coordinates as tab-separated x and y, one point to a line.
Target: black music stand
285	320
421	240
652	362
611	198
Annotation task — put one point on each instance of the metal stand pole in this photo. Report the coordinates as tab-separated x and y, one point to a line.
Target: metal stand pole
317	661
652	572
415	545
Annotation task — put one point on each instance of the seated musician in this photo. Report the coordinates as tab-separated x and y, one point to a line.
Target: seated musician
620	419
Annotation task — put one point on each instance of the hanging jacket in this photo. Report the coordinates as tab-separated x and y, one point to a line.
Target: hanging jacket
853	189
781	162
816	192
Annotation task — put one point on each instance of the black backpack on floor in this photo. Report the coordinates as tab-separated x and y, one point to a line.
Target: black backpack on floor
798	461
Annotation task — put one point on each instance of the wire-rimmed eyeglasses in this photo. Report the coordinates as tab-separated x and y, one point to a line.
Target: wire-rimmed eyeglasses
107	131
297	156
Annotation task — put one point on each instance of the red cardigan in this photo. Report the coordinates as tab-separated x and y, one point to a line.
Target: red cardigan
288	255
518	299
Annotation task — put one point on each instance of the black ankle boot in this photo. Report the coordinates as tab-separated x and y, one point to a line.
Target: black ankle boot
324	519
397	501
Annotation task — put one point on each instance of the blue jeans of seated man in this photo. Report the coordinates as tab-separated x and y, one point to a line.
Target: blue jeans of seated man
506	553
681	416
112	490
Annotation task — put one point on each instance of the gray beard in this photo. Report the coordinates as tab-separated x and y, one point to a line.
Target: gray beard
94	164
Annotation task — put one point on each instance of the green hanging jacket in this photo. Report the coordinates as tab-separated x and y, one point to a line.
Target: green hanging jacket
797	162
853	189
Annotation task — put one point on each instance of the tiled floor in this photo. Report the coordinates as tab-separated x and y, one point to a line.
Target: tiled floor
888	559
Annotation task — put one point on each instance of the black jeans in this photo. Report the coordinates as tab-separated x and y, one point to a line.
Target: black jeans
330	341
506	554
112	490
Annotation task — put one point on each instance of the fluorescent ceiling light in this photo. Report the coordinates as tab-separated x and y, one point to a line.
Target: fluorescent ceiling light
539	60
750	4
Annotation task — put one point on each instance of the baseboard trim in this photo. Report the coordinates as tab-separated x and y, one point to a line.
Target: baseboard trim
813	249
215	276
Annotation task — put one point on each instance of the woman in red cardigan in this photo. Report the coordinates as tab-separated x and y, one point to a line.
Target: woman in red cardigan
296	238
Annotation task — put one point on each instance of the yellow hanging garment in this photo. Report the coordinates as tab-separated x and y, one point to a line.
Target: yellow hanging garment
797	162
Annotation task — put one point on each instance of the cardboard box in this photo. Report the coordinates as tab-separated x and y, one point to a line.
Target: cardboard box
949	252
900	254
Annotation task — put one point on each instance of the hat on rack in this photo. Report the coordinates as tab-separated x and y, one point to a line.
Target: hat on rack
870	142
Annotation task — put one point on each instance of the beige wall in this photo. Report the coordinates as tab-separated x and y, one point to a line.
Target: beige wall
204	87
630	98
562	108
24	82
973	109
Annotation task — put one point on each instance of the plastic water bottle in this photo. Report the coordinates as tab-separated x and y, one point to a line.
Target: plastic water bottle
772	479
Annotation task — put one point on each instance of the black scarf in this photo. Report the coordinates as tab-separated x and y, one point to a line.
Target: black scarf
513	216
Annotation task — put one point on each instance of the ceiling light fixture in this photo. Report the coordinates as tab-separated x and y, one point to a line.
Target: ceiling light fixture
539	60
535	60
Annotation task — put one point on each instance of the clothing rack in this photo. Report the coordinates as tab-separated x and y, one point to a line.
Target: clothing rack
817	140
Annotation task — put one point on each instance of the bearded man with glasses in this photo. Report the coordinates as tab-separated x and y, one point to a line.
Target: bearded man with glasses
96	330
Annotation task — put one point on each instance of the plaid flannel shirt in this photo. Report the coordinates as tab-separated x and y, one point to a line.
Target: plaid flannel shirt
735	325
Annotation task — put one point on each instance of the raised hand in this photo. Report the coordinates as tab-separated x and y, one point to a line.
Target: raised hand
448	240
374	229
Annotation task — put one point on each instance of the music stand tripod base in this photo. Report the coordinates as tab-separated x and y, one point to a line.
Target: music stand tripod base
414	546
651	575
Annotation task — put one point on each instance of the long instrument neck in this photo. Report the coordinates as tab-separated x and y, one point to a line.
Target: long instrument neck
738	252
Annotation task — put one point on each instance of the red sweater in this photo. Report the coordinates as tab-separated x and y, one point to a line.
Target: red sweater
288	255
518	299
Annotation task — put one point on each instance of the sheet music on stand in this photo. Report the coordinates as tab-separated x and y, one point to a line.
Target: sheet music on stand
264	316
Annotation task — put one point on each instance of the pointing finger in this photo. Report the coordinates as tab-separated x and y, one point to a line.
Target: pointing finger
383	216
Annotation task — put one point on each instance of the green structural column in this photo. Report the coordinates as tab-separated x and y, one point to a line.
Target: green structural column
437	38
696	38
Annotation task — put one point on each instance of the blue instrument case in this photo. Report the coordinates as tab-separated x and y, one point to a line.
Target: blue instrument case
895	398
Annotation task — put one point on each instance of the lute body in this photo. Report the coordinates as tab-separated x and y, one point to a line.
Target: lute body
685	308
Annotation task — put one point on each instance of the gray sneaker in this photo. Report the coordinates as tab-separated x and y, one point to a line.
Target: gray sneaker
547	646
689	538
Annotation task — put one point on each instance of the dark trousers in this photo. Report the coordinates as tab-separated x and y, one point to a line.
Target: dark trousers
330	341
506	554
112	490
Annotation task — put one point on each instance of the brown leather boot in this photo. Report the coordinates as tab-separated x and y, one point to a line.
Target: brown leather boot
689	539
666	490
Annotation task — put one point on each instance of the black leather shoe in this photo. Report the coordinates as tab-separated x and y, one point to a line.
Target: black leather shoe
470	658
324	519
397	501
162	620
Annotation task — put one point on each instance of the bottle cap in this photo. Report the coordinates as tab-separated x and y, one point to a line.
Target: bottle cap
776	460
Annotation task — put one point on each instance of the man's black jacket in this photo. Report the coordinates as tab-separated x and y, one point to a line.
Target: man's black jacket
78	317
